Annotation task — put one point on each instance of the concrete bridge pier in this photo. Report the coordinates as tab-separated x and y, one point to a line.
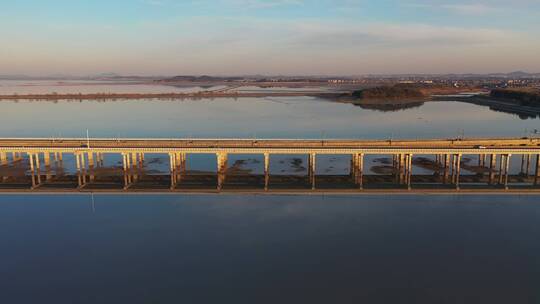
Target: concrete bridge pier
492	168
134	166
47	161
60	157
141	160
410	171
395	167
266	171
38	168
222	159
482	160
4	162
81	169
128	170
457	170
180	165
32	172
172	168
35	169
312	172
525	164
454	169
446	168
504	169
177	167
3	159
78	167
359	168
537	172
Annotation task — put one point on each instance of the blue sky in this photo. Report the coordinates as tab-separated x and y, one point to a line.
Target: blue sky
351	37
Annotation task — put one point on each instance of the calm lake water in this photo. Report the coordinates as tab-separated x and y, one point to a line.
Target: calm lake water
291	117
269	249
265	249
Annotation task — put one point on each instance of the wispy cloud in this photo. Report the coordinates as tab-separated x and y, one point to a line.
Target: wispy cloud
469	9
458	8
263	3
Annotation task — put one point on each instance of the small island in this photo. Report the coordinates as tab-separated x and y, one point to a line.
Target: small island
389	93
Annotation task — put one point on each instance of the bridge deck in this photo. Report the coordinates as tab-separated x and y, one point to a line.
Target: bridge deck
477	146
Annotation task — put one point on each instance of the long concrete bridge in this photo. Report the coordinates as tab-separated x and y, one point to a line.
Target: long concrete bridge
42	156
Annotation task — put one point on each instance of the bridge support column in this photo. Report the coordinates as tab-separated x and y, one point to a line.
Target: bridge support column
454	169
38	169
3	162
184	163
482	160
402	168
84	168
504	170
91	166
47	161
408	170
32	169
3	159
528	165
446	168
537	172
360	171
77	161
312	170
458	170
266	171
91	162
126	161
172	164
395	167
134	165
525	164
180	162
492	168
507	170
221	169
178	165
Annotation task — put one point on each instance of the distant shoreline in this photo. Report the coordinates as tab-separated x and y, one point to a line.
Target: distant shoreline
197	95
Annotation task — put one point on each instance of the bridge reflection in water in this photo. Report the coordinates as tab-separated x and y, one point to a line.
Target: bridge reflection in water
78	165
